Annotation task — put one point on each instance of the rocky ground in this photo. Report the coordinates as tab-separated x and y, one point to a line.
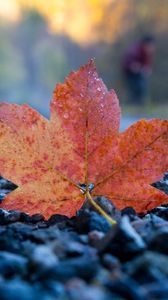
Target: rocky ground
84	257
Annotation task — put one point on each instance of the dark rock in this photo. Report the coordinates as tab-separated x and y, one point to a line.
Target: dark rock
85	267
42	261
156	291
21	230
84	239
54	219
14	234
62	222
148	267
90	220
122	241
3	193
82	221
74	248
12	216
78	289
130	212
6	184
9	243
142	226
98	222
42	225
11	264
17	290
36	218
159	241
67	246
106	205
54	288
3	215
149	225
127	288
27	247
24	217
42	236
161	211
111	262
156	221
162	185
95	236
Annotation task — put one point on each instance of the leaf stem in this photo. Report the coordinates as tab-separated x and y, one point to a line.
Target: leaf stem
99	209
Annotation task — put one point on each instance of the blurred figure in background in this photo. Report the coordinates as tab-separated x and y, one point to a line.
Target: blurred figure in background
137	67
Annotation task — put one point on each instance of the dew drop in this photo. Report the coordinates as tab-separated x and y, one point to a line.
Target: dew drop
99	89
101	105
80	109
66	115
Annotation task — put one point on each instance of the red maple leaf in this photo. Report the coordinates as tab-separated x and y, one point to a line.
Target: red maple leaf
80	145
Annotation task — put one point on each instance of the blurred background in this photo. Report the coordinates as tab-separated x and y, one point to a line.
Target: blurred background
42	41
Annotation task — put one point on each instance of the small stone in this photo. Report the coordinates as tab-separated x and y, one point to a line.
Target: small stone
17	290
3	193
54	290
42	225
74	248
156	291
11	264
111	262
54	219
126	288
142	226
36	218
159	241
94	236
78	289
42	261
85	267
106	205
24	217
7	217
84	239
162	185
130	212
3	214
8	185
45	235
90	220
13	216
122	241
148	267
161	211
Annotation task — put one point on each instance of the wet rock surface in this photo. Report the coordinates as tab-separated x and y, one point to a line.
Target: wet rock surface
84	258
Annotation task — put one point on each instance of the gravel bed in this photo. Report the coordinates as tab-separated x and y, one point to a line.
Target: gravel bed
84	258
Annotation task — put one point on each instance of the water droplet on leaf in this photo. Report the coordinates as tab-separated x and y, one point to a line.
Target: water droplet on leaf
66	115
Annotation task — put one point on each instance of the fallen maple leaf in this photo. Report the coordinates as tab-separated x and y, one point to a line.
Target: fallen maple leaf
80	150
